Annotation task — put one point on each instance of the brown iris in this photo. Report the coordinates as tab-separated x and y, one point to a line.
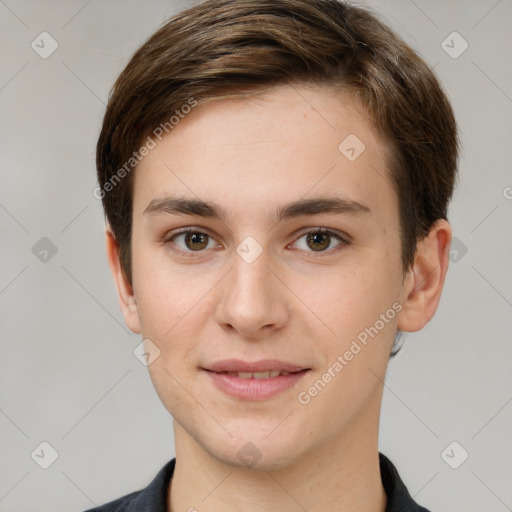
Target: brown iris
196	241
316	238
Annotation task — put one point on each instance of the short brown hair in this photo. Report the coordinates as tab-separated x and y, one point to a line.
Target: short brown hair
221	47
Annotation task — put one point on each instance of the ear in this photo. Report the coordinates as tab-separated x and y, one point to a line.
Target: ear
125	291
423	284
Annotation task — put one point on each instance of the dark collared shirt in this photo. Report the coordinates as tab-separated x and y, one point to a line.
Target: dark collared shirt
154	497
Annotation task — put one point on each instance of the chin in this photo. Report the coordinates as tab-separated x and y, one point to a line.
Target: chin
255	452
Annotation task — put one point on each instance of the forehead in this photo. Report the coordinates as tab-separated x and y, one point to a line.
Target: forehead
289	142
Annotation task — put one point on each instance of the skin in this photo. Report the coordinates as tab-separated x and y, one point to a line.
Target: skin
250	155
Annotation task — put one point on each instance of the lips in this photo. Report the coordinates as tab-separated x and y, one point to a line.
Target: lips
255	368
256	380
256	375
259	380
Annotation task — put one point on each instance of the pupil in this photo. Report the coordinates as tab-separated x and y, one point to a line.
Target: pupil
195	239
314	237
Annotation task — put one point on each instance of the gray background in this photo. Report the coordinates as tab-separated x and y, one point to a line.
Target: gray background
68	375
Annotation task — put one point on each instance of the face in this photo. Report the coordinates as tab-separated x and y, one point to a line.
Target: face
295	257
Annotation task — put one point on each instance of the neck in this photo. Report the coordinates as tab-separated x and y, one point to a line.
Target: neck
343	471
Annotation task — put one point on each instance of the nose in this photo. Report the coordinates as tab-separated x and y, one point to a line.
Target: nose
252	301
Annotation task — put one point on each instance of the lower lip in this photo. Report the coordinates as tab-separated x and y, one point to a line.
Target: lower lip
255	389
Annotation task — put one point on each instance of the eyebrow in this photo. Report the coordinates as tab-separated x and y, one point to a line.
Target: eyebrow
314	206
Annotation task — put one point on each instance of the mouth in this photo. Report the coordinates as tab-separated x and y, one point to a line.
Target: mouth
259	375
262	366
254	381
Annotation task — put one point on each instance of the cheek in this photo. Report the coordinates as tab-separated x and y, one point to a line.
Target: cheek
164	294
357	306
171	303
349	300
358	309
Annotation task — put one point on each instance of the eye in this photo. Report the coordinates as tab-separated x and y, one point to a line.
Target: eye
319	240
192	241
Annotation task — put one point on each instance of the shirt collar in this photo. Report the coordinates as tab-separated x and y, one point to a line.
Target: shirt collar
399	499
154	497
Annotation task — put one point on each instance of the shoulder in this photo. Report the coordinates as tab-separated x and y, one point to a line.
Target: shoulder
153	497
117	505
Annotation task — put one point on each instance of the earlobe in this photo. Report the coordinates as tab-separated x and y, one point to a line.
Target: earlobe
424	281
125	292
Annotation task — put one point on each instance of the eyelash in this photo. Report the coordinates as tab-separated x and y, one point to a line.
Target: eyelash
313	254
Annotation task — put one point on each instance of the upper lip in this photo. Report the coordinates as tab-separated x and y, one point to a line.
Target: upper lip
263	365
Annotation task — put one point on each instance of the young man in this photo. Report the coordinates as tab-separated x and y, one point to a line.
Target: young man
275	176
